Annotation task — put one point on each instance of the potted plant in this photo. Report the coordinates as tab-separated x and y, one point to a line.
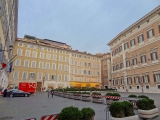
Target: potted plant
70	113
88	114
97	97
133	96
122	111
85	96
77	95
65	95
146	108
70	95
143	96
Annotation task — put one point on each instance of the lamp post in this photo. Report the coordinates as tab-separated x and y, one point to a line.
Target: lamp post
110	83
10	48
142	83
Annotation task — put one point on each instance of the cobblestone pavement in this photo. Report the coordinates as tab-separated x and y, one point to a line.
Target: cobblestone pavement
20	108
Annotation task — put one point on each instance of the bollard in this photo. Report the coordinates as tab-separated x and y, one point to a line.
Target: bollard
107	113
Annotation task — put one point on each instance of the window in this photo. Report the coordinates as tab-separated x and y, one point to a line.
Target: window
154	56
60	51
129	80
85	64
40	64
80	56
134	61
75	71
66	77
117	66
126	45
60	58
145	79
66	52
32	75
28	53
89	64
121	65
88	57
112	53
47	65
42	48
113	68
140	38
53	77
49	49
143	59
84	71
150	33
97	73
15	75
120	48
59	77
137	87
26	63
24	76
47	77
137	80
122	81
89	72
156	77
80	72
130	87
105	71
147	87
159	28
17	62
158	86
127	63
80	63
28	46
41	55
54	66
48	56
55	57
20	44
59	67
67	59
132	42
66	67
19	52
35	46
75	62
33	64
34	54
39	76
105	77
54	50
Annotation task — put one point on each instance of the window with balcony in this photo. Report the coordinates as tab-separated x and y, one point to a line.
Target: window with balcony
140	38
143	59
134	61
154	56
132	42
150	33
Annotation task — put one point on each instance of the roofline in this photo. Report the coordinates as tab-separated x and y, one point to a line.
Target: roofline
137	22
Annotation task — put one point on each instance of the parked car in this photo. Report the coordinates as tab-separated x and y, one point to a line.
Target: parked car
17	93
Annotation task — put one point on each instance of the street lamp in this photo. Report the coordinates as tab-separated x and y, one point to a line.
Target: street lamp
142	83
110	83
10	48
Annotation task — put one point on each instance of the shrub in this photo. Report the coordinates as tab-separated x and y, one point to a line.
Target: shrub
116	94
96	93
146	104
88	113
128	108
121	109
117	110
70	113
92	88
109	94
143	96
133	96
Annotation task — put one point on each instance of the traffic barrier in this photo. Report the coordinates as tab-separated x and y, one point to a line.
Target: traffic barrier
100	96
112	97
50	117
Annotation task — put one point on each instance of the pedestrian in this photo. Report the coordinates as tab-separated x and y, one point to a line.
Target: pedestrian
5	93
52	92
48	92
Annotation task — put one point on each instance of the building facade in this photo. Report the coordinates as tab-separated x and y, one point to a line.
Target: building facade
106	70
8	35
43	61
85	69
136	56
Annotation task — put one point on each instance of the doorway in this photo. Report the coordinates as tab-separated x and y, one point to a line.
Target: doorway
39	86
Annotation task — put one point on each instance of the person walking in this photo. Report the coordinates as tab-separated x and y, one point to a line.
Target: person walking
52	92
5	93
48	92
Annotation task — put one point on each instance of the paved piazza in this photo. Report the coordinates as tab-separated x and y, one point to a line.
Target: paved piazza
38	105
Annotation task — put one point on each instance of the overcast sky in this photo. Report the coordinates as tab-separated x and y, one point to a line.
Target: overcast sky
86	25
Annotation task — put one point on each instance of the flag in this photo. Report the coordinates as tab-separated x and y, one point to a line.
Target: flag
4	65
10	67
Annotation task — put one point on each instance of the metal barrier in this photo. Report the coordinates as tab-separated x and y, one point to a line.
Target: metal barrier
31	119
107	113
